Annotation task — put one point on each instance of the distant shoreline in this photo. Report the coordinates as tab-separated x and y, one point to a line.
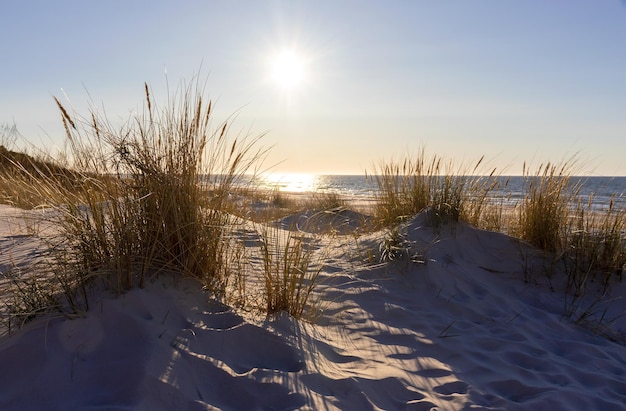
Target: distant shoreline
359	188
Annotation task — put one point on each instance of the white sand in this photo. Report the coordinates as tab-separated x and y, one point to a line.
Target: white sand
456	329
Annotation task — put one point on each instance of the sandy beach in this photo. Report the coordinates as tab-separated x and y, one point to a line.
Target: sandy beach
457	324
313	205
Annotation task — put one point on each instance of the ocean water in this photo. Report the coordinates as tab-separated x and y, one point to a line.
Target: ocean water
601	190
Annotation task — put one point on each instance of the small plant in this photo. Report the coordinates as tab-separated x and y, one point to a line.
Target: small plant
592	313
236	265
279	199
596	247
325	202
394	246
25	298
291	271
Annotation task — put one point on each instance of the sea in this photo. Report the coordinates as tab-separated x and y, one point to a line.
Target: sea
601	192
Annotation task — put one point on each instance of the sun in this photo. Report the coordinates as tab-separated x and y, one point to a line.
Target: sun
288	69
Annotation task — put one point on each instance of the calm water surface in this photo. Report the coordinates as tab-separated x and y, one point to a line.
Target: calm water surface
602	189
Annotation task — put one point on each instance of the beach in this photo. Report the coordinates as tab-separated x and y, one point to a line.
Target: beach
462	319
283	205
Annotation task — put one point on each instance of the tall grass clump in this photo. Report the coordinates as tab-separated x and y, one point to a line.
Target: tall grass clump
149	195
544	212
594	260
174	172
587	243
421	181
404	189
596	246
290	271
484	208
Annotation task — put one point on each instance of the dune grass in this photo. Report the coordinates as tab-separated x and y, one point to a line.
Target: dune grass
550	215
595	248
154	195
148	196
324	202
159	198
428	181
291	270
587	246
19	171
545	209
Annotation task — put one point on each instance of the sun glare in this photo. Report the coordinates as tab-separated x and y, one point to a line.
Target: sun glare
291	182
288	69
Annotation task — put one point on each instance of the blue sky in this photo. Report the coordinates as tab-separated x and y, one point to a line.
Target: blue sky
515	81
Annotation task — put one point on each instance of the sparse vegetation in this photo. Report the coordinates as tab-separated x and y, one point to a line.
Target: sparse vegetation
595	248
150	197
324	202
545	209
394	245
424	181
587	246
160	193
290	271
146	197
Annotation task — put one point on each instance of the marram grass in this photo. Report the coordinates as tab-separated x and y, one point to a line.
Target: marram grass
422	181
588	246
148	196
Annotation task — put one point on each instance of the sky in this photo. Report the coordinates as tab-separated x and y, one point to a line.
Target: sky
339	86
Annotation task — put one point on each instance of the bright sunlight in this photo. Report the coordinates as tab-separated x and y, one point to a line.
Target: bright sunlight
288	69
291	182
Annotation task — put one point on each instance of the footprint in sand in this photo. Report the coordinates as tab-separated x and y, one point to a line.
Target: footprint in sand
245	347
450	388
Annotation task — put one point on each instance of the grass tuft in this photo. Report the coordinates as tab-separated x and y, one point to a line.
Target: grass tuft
423	181
291	270
143	198
544	211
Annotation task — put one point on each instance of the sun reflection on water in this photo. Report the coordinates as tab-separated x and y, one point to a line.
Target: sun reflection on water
290	182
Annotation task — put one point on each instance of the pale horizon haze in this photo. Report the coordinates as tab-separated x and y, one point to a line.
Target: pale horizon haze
338	86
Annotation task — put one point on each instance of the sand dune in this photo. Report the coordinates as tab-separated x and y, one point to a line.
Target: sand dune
338	221
452	326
